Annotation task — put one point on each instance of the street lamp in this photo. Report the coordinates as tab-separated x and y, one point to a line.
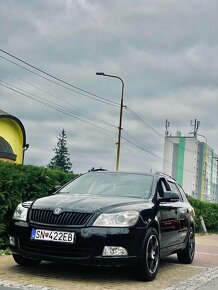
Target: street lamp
121	114
203	137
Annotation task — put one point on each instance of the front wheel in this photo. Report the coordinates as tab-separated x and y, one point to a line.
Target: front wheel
23	261
150	256
186	256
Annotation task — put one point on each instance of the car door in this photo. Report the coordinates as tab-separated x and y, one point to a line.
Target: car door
168	215
185	214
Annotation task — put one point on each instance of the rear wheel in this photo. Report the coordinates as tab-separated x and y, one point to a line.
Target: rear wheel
150	256
23	261
186	256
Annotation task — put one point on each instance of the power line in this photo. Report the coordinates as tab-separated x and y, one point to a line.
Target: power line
141	120
105	102
64	111
95	97
153	154
83	113
85	93
140	147
53	106
59	108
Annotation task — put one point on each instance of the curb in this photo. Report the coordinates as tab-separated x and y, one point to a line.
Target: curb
196	281
6	283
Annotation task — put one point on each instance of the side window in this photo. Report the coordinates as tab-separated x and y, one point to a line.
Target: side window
175	189
183	193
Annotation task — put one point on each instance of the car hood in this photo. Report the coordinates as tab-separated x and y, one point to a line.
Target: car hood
86	203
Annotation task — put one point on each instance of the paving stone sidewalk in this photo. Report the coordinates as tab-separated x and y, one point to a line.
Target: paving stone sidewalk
172	275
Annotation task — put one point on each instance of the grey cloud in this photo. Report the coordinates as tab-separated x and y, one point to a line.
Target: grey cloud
166	52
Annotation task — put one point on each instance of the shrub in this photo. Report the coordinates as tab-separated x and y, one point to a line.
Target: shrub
21	183
209	212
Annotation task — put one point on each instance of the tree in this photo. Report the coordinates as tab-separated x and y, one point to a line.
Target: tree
62	157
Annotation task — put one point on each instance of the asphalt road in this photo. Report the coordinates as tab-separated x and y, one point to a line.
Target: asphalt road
203	272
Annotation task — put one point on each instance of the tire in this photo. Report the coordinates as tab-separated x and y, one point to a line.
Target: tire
23	261
186	256
150	256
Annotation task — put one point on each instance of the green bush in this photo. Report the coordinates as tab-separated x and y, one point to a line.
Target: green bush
209	212
21	183
26	182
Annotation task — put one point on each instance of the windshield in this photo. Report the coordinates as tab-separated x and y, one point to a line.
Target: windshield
111	184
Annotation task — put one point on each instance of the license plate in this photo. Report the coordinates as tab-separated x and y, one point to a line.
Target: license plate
53	236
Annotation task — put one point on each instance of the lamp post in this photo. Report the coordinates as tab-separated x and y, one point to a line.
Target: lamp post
121	115
203	137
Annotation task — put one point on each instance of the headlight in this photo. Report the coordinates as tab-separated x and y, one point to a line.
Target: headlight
20	213
118	219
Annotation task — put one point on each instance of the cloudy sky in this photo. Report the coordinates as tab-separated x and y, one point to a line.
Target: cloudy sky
165	51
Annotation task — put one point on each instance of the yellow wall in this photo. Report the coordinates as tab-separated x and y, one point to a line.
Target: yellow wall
12	133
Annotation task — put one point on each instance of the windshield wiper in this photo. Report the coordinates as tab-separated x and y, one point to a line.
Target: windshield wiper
63	192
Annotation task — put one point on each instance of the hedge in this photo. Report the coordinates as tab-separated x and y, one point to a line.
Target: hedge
209	212
21	183
26	182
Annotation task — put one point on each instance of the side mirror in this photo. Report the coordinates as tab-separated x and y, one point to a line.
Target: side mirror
169	196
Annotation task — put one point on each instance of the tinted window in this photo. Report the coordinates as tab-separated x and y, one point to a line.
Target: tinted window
175	189
182	193
106	184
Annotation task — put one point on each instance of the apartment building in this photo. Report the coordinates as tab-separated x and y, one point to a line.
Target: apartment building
193	164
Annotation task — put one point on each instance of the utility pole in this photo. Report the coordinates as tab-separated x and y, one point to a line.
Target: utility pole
121	115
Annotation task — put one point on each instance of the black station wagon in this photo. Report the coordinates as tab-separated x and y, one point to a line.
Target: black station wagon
107	218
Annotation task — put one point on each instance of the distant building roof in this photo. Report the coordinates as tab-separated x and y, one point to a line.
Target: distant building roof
6	115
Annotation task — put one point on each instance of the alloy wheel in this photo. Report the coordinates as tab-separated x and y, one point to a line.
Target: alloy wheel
152	253
191	243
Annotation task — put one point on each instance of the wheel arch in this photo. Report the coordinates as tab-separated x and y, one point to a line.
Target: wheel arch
192	225
154	224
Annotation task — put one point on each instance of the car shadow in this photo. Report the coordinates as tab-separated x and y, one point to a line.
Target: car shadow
71	272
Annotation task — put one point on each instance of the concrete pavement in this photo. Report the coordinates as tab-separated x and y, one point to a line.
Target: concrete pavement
171	276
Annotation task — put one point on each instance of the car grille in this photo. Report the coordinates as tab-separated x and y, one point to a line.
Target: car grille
41	216
54	249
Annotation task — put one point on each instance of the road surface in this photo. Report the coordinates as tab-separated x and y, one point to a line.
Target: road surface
203	272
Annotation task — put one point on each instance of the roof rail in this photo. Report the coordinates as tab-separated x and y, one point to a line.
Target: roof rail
159	172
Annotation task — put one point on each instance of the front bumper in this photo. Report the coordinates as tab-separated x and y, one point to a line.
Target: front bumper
88	246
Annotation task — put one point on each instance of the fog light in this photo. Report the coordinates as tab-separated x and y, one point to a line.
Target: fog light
12	241
114	251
